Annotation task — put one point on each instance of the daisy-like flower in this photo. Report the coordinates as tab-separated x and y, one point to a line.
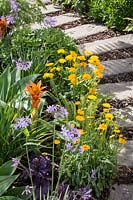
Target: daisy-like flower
122	140
94	60
80	118
49	64
72	70
109	117
102	127
48	75
106	105
36	93
80	112
60	51
56	142
86	77
92	97
77	103
84	147
81	58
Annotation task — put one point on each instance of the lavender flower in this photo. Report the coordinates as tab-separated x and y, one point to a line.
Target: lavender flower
10	19
49	22
85	193
69	146
22	122
15	162
22	65
93	173
71	134
14	6
57	111
27	190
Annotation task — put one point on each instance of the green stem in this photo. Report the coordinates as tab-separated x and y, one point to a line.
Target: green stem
52	187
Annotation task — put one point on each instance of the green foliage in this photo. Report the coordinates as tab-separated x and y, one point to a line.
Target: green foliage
27	12
130	25
38	46
111	12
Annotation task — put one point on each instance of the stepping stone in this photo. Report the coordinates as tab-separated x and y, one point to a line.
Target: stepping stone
82	31
66	18
103	46
121	90
121	192
46	2
125	156
113	67
50	9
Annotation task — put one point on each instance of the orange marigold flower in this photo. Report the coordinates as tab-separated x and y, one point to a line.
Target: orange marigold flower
36	93
72	70
109	117
83	64
85	147
100	67
73	54
122	140
92	91
62	60
69	57
102	127
81	58
75	64
56	142
80	112
86	76
80	118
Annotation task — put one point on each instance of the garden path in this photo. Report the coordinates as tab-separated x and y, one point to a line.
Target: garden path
120	71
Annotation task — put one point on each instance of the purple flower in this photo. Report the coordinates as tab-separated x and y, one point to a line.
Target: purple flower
93	173
69	146
49	22
70	134
85	193
15	162
10	19
81	149
22	65
27	190
57	111
22	122
14	5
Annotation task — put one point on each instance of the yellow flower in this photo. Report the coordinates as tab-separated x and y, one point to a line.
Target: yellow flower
81	131
117	131
121	135
81	58
77	141
58	69
69	57
106	105
122	141
102	127
92	97
92	91
94	60
72	70
80	118
87	52
77	103
73	54
109	117
57	142
75	65
100	75
80	112
83	64
86	76
95	83
112	136
74	81
106	110
91	117
85	147
59	51
53	69
100	67
48	75
62	60
49	64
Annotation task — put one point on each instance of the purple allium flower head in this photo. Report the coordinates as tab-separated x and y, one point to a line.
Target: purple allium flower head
22	65
57	111
14	5
70	134
85	193
93	173
10	19
81	149
22	122
49	22
15	162
27	190
69	146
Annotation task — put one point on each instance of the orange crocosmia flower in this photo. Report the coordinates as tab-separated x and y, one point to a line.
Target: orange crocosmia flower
3	26
36	93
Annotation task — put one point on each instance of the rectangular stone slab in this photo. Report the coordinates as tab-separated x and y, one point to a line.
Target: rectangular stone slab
85	30
103	46
50	9
113	67
66	18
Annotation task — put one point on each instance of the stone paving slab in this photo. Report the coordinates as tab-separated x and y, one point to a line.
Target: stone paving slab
125	157
66	18
50	9
122	192
113	67
85	30
121	90
46	2
106	45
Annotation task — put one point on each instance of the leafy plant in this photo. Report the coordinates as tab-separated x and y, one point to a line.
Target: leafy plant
130	25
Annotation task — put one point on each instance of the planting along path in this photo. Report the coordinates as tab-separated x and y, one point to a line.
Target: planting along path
115	68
